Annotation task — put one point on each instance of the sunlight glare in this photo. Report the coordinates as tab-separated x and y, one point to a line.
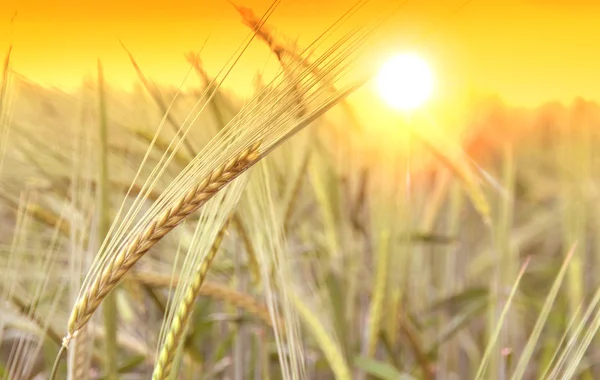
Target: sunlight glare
405	81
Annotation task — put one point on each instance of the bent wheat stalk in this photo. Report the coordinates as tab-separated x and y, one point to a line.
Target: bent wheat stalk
116	269
217	292
184	311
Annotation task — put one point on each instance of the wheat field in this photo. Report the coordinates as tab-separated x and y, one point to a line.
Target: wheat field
172	233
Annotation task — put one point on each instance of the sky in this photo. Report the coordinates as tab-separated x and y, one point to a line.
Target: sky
525	51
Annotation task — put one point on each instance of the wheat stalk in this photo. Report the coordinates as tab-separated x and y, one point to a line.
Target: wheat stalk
215	291
184	311
116	269
252	257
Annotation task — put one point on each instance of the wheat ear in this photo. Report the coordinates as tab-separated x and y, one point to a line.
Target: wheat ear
184	311
116	269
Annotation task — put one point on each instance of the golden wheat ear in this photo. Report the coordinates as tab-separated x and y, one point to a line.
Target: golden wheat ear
162	369
117	267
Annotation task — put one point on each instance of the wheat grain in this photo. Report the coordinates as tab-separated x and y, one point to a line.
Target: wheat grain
116	269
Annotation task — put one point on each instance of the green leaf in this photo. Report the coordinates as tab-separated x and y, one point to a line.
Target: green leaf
336	297
129	365
460	301
380	370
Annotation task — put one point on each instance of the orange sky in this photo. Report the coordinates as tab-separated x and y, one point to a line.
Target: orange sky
526	51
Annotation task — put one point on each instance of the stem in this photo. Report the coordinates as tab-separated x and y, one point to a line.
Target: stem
110	303
59	356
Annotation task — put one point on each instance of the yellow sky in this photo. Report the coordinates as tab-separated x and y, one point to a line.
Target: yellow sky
526	51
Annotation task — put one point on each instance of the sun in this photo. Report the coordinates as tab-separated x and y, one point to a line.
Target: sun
405	81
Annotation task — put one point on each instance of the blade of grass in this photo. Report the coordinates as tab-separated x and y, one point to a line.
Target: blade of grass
158	98
541	321
330	349
379	292
496	333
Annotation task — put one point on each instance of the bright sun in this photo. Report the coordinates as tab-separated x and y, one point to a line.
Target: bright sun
405	81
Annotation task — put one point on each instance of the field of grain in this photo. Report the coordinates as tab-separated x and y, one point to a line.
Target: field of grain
190	234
